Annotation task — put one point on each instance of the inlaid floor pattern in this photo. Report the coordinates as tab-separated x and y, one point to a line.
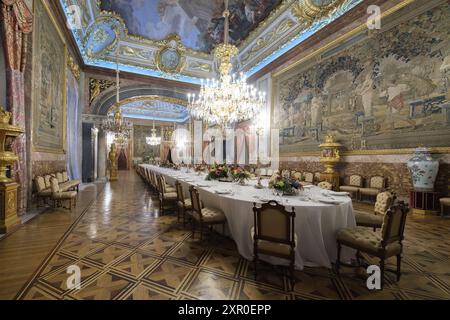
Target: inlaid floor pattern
125	250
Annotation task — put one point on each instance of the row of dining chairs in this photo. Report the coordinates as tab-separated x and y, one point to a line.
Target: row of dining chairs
274	233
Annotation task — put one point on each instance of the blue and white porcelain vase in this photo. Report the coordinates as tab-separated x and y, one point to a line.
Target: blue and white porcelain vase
424	170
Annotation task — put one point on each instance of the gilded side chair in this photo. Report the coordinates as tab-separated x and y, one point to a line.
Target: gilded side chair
355	182
59	196
445	202
205	216
164	198
317	178
184	205
274	234
308	178
375	220
42	192
384	245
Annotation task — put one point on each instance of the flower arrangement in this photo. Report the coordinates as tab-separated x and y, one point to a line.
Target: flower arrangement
241	175
200	167
218	172
284	184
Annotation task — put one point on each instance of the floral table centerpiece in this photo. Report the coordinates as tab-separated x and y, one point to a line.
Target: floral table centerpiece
240	175
218	172
286	185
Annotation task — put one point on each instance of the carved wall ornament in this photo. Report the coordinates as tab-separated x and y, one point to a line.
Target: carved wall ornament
97	86
74	67
170	57
308	11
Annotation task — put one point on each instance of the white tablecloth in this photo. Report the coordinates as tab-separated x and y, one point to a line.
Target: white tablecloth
316	223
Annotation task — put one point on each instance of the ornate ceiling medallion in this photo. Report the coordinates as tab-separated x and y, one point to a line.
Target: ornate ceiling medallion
103	36
170	57
308	11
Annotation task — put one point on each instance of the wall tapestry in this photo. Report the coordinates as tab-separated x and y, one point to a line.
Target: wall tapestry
49	84
388	91
141	148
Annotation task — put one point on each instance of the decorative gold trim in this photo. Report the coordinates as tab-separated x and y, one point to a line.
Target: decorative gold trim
35	148
307	12
74	67
381	152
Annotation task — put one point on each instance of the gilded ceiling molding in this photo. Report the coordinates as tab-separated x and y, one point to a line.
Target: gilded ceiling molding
307	11
170	57
150	98
97	86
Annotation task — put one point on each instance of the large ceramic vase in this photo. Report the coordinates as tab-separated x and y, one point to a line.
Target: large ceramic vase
424	170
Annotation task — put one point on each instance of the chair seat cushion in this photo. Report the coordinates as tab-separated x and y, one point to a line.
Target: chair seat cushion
187	204
69	185
445	201
64	195
369	191
368	219
274	247
349	188
211	215
170	189
366	240
170	196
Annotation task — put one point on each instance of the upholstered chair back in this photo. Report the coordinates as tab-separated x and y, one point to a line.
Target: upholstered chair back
59	176
269	172
286	173
55	185
384	201
376	182
325	185
308	176
296	175
274	223
195	199
263	172
40	184
65	176
47	179
180	194
159	184
355	180
394	224
317	176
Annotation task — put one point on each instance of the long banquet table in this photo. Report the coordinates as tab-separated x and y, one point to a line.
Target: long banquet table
316	222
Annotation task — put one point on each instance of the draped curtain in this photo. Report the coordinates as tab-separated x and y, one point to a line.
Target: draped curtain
73	109
16	21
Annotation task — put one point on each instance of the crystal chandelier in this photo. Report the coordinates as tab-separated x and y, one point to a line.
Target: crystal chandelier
229	99
115	123
153	140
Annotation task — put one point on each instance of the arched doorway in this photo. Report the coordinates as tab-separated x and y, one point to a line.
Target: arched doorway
122	160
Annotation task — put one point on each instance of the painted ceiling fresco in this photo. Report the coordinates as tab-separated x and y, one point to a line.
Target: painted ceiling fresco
151	109
198	22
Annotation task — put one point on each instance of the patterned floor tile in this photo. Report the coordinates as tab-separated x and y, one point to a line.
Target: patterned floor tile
146	292
209	286
136	264
106	287
108	254
169	275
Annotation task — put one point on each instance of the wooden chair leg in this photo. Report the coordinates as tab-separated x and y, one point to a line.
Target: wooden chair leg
382	273
201	230
255	263
193	229
338	260
292	269
399	263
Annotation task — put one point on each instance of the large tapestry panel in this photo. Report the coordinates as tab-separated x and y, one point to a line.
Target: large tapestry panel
141	148
387	91
49	84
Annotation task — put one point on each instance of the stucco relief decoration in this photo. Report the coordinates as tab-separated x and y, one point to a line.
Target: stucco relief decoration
388	91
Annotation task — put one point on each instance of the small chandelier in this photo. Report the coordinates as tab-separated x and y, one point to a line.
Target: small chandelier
115	123
153	140
229	99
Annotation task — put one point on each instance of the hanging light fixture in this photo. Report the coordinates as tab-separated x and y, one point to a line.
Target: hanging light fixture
229	99
153	140
115	123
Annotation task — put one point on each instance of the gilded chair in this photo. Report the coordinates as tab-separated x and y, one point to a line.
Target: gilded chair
65	184
296	175
164	197
59	196
308	178
376	185
205	216
167	187
269	172
274	234
42	192
325	185
375	220
184	205
382	245
355	182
